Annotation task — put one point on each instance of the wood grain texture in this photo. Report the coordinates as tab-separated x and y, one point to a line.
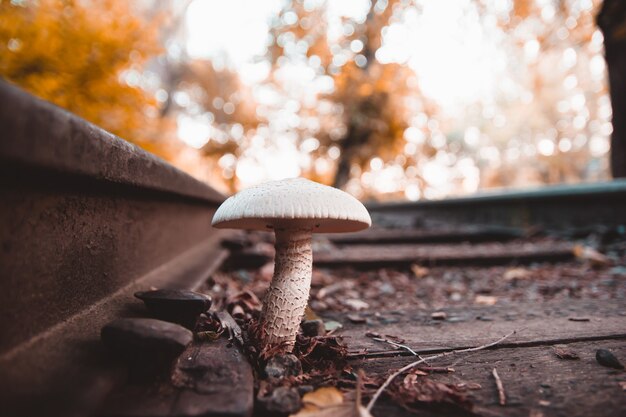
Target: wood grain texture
479	254
473	326
446	235
536	382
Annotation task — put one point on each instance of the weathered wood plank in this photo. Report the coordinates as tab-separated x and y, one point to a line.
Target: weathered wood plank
535	380
446	235
474	326
405	254
209	380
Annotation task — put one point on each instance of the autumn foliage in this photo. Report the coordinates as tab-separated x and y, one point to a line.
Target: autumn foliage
330	105
84	57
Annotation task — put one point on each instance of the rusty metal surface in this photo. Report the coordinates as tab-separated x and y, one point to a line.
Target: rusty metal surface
210	380
38	133
86	220
67	243
83	213
556	207
65	370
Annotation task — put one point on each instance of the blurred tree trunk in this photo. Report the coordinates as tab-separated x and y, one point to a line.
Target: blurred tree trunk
349	147
355	135
612	21
342	175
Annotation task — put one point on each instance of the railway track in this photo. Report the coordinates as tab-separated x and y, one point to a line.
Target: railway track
87	220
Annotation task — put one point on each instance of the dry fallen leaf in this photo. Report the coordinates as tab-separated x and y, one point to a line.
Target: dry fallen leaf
243	301
485	300
516	273
229	324
586	253
309	314
355	318
418	389
565	353
238	312
419	372
419	271
323	397
333	288
329	402
356	304
332	325
439	315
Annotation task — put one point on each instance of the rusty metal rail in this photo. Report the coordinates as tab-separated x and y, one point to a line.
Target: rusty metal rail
83	213
86	219
558	207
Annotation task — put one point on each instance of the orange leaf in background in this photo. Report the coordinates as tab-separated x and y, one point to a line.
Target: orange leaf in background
329	402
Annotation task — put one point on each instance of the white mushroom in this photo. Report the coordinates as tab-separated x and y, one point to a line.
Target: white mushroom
294	209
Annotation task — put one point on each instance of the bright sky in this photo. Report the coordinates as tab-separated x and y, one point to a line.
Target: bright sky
456	58
433	42
236	29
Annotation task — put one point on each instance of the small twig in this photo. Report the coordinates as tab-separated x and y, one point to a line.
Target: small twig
391	342
380	339
391	377
501	393
436	369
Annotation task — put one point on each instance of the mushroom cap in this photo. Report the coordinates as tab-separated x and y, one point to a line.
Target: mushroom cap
295	203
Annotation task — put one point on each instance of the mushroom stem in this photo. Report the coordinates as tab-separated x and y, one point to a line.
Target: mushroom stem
288	294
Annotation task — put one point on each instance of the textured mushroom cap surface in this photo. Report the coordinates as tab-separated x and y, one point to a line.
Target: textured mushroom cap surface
295	203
